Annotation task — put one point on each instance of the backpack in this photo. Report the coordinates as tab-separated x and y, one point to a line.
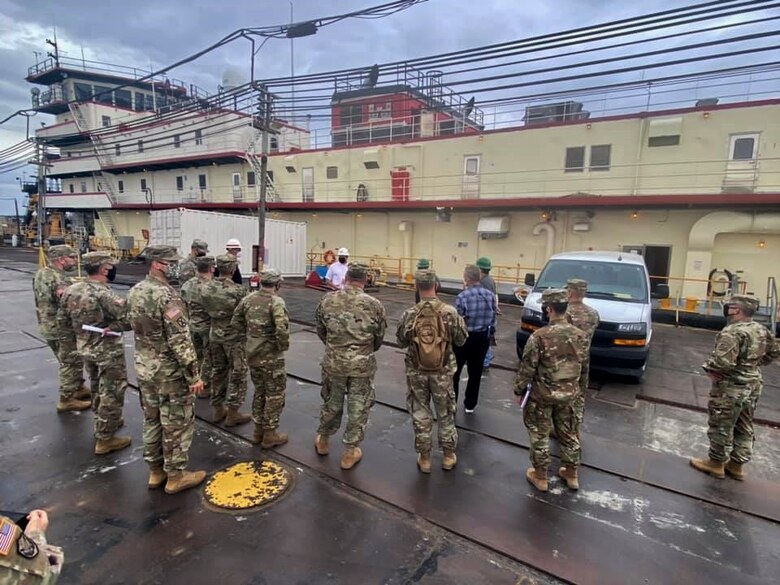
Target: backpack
429	336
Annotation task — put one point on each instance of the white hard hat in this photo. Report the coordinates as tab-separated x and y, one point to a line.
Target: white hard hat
343	252
233	243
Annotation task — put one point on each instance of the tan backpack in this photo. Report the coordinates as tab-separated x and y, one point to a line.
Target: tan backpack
429	336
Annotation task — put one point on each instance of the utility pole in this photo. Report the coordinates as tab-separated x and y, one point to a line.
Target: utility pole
265	105
40	162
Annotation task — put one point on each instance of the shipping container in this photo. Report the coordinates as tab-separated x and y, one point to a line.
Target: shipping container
285	241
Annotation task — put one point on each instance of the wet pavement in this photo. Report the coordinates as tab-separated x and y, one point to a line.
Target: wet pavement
642	515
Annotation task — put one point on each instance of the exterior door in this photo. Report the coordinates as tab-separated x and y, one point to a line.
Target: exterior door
237	193
307	178
399	181
471	168
742	164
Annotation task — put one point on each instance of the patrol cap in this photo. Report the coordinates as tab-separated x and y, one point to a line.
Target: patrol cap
62	251
745	302
426	278
162	253
423	264
226	263
577	285
201	245
204	262
357	271
97	259
554	295
270	276
484	263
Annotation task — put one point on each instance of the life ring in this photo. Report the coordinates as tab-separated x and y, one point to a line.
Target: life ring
329	257
714	293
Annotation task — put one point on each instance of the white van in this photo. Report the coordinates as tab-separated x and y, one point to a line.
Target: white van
619	289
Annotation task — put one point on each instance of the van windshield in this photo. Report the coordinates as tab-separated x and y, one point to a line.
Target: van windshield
606	280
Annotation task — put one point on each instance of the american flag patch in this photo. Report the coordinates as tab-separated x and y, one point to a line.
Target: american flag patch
172	313
7	533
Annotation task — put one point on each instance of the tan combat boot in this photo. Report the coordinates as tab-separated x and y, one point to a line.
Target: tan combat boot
714	468
83	393
235	418
538	478
218	414
351	457
257	435
449	460
103	447
273	439
183	480
734	470
157	477
72	404
424	462
569	475
321	445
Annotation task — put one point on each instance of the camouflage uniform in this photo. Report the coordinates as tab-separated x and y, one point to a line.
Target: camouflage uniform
199	320
94	303
352	325
263	324
552	364
740	349
16	569
220	297
166	365
587	319
48	286
424	386
188	269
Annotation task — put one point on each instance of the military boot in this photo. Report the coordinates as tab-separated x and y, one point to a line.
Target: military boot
183	480
537	477
233	418
83	393
103	447
321	444
157	477
449	460
72	404
218	413
569	475
351	457
273	439
424	462
734	470
257	435
714	468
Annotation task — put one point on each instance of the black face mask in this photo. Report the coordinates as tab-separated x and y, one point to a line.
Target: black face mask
111	275
343	259
200	254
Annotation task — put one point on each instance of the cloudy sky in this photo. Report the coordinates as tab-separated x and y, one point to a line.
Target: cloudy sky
140	32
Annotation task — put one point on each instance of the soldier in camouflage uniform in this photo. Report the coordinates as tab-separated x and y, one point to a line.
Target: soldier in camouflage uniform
352	325
189	268
92	302
168	374
425	385
48	286
26	558
263	324
734	368
220	297
552	364
200	322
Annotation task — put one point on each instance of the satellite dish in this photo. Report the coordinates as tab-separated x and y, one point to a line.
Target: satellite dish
35	91
232	78
469	107
373	76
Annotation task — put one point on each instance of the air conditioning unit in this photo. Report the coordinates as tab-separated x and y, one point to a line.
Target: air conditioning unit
493	227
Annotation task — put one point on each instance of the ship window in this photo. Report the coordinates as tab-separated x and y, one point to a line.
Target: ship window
103	95
575	159
123	98
352	114
250	178
600	157
121	186
332	172
180	183
83	91
176	141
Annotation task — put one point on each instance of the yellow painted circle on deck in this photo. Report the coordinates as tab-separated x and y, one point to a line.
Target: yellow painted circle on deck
248	484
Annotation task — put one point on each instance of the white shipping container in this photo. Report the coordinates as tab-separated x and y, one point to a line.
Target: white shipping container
285	241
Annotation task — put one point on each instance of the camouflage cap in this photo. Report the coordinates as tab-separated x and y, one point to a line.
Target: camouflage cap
62	251
204	262
226	263
577	284
357	271
425	277
270	276
162	253
744	302
97	259
423	264
201	245
554	295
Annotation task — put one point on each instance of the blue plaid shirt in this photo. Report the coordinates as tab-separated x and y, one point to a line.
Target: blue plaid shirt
477	306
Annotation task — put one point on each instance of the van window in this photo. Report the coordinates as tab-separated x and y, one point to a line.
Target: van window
606	280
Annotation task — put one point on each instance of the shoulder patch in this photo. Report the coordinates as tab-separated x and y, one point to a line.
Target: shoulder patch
173	312
7	533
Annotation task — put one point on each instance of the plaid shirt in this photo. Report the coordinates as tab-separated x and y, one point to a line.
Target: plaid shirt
477	306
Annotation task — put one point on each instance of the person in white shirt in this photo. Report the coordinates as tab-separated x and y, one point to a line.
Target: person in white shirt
338	271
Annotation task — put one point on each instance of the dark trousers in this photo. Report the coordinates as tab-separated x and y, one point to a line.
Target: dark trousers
472	355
